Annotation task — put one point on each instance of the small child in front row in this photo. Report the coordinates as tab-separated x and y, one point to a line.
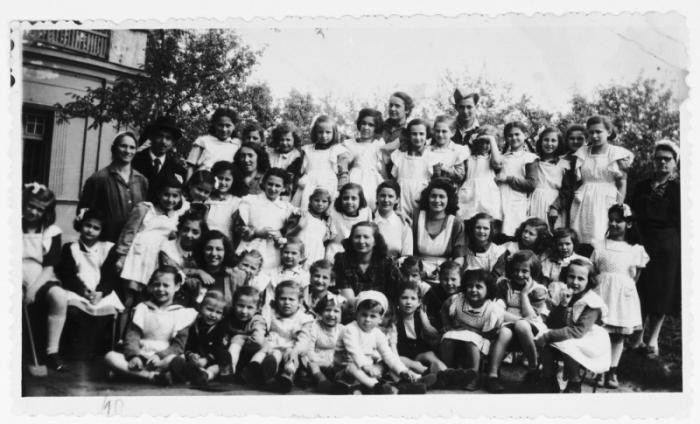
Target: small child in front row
206	356
321	277
450	284
288	337
565	245
575	335
157	332
363	352
324	335
470	321
245	327
522	297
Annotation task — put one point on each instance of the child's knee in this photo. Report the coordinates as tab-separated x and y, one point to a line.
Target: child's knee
114	359
58	300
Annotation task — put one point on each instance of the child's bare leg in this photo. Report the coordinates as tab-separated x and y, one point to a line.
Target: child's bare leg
212	371
473	357
616	345
523	331
447	352
117	362
498	350
58	306
414	366
655	322
433	362
361	376
235	350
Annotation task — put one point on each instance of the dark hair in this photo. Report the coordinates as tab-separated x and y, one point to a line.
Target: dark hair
448	266
222	113
251	127
573	128
246	291
471	228
666	148
280	130
240	188
288	284
543	240
324	302
369	304
166	269
214	295
338	204
415	122
192	215
206	238
164	182
322	264
119	137
411	261
88	214
222	166
606	122
560	141
472	276
408	285
380	248
592	281
46	197
440	184
390	184
277	172
563	232
407	101
324	119
374	114
473	95
525	256
632	235
515	124
201	177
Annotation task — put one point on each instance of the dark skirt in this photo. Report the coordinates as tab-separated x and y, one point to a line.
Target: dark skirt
659	284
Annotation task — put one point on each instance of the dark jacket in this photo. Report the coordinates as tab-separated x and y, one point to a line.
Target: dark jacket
142	162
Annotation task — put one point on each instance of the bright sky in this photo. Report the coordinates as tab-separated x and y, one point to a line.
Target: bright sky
547	57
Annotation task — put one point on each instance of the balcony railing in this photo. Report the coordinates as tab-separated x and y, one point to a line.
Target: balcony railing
88	42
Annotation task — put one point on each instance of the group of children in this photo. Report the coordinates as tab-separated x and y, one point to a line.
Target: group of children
211	286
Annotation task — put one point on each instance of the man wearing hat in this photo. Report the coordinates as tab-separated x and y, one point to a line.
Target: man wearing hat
158	159
466	123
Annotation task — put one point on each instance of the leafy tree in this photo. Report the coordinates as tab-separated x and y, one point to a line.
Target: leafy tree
300	109
187	75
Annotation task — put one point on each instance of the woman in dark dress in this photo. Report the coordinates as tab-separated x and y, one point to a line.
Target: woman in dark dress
656	203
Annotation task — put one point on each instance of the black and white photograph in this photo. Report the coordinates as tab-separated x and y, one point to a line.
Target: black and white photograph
403	206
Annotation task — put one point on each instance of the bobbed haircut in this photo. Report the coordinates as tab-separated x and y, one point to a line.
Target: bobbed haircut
375	115
277	172
585	263
543	239
246	291
564	232
440	184
338	203
515	124
88	215
410	262
326	301
390	184
193	215
251	127
222	113
288	284
408	285
606	122
324	119
368	305
472	276
560	141
166	269
283	129
322	264
222	166
525	256
447	267
573	128
415	122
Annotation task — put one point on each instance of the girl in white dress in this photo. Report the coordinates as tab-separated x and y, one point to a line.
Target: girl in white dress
219	144
284	153
325	332
315	227
449	156
222	204
575	335
479	192
546	176
367	152
414	167
349	208
601	167
511	179
396	231
265	217
618	261
482	253
325	162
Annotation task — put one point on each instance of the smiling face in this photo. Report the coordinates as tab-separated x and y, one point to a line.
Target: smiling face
273	187
124	150
397	109
617	226
598	134
550	143
442	133
90	230
199	193
248	160
386	200
250	264
161	141
437	200
324	133
482	231
369	319
366	126
169	198
363	239
577	278
286	143
212	311
409	301
575	140
291	255
189	232
528	237
245	307
521	273
417	137
214	253
565	247
451	281
163	288
515	139
350	201
223	128
224	181
331	315
466	110
287	301
320	280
